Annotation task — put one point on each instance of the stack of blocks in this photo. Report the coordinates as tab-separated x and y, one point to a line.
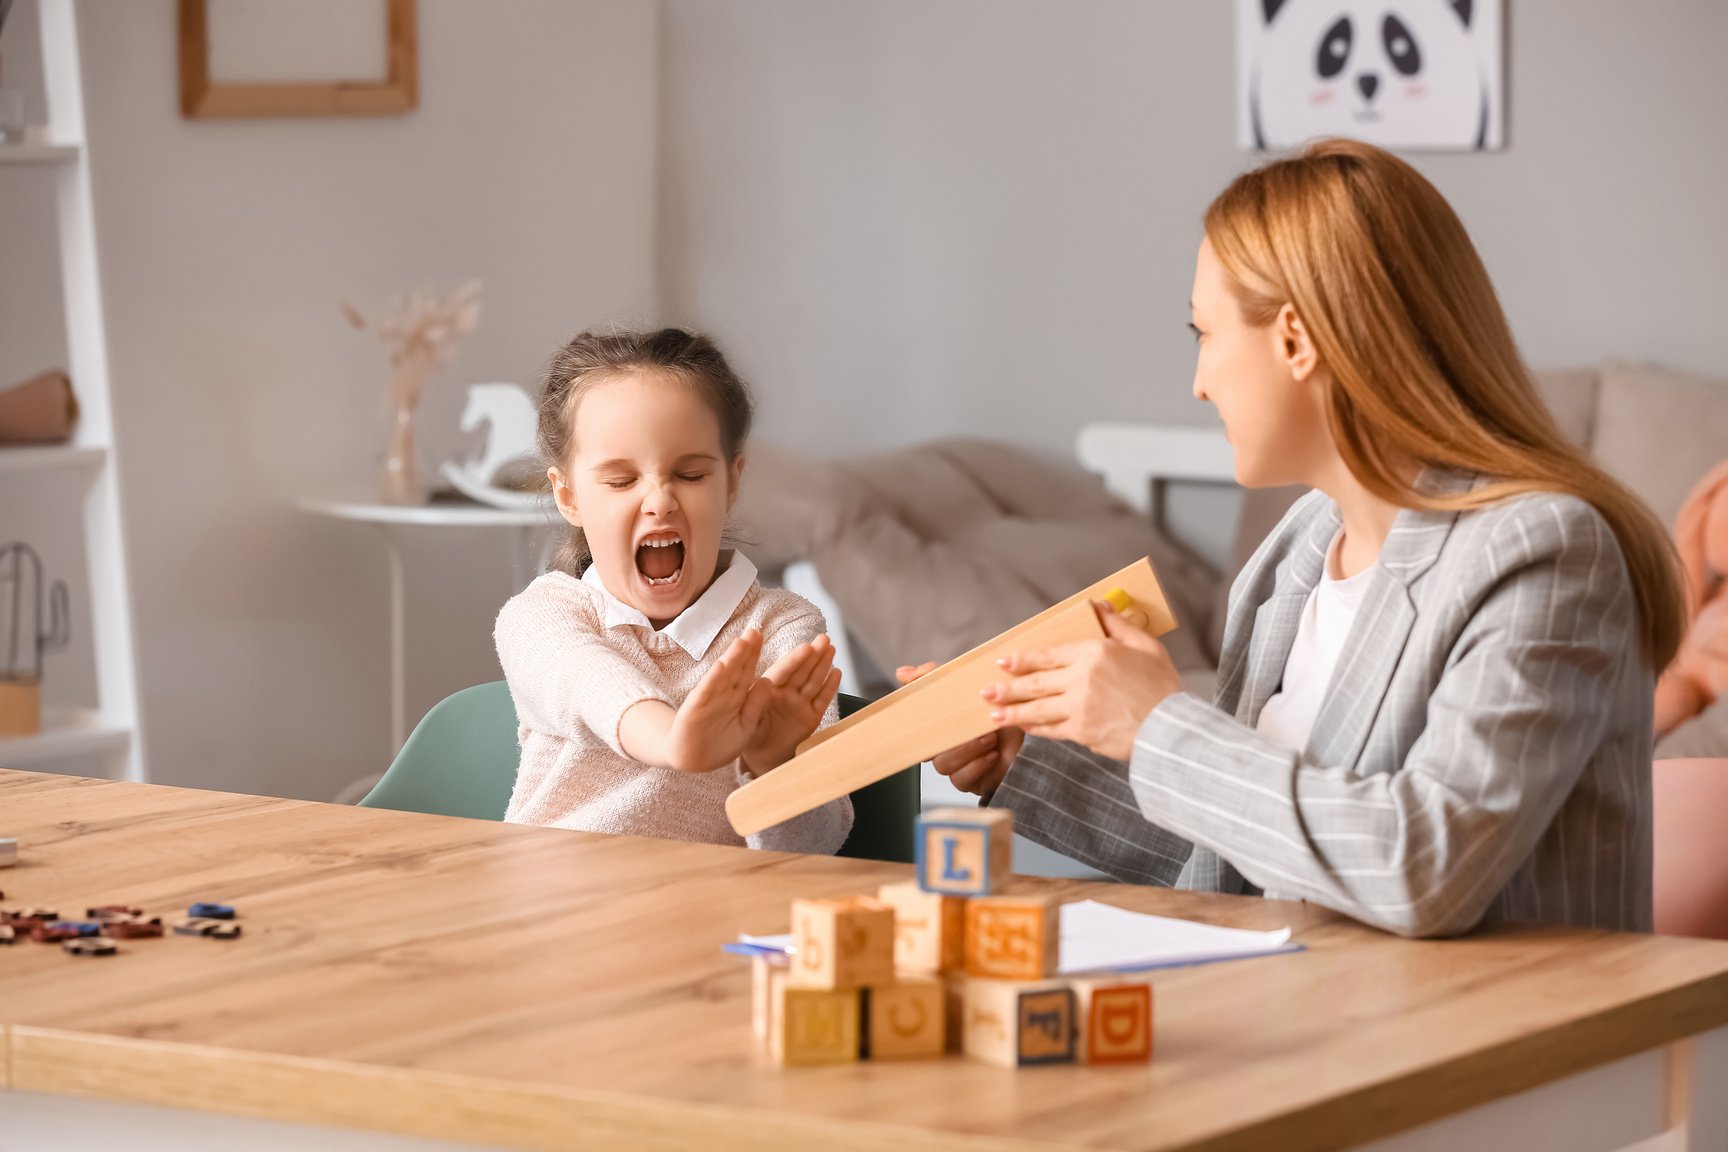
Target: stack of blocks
944	963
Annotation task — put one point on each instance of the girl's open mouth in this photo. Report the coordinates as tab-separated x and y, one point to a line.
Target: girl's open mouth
660	560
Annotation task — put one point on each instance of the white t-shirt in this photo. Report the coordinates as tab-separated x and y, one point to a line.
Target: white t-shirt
1288	717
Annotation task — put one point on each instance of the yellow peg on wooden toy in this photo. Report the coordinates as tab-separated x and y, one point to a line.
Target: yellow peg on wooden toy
1119	599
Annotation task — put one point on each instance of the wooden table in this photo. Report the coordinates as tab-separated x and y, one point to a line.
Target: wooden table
533	988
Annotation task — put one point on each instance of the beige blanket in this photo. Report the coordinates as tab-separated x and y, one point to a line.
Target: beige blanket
933	549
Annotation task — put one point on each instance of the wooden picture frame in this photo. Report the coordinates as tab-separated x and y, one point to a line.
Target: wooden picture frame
397	93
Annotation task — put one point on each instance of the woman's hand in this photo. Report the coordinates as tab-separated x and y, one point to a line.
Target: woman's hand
803	682
721	714
976	766
1096	693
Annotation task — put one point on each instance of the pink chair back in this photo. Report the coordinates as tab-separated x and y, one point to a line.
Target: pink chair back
1691	844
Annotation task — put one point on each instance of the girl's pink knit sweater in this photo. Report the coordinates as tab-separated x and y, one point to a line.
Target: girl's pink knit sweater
575	664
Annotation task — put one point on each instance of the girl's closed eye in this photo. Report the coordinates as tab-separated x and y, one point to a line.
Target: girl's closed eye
1195	329
618	483
693	477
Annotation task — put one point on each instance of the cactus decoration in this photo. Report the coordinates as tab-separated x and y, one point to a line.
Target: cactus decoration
24	601
36	621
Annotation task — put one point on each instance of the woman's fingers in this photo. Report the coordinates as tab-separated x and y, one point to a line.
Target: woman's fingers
1031	686
1116	628
960	755
907	673
978	776
1041	659
960	768
1032	715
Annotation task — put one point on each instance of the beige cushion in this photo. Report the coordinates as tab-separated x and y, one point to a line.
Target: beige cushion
1659	431
932	550
1572	395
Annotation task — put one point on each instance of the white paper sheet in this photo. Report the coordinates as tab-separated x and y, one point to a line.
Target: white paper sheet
1098	937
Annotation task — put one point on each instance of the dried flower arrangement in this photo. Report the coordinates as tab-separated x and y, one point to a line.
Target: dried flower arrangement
420	333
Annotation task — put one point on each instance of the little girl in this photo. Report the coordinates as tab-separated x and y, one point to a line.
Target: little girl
651	673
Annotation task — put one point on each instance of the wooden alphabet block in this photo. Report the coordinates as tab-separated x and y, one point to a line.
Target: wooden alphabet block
965	851
1014	1024
935	712
906	1020
766	973
813	1025
1013	937
1115	1017
954	1001
841	943
929	928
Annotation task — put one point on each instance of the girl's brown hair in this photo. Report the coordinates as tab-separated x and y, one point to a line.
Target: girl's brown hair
1424	370
595	357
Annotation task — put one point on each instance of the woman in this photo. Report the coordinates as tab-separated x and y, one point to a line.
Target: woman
1434	700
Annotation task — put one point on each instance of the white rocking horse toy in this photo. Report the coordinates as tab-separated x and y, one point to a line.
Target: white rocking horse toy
508	453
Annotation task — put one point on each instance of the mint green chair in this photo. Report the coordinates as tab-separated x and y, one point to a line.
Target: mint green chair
460	760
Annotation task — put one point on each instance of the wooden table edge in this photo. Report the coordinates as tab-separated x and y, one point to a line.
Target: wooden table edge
1472	1080
437	1105
453	1106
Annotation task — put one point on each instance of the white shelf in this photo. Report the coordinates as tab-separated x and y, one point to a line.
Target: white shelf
38	153
34	457
65	733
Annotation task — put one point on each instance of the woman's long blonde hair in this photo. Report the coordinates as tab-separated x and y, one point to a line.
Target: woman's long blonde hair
1424	370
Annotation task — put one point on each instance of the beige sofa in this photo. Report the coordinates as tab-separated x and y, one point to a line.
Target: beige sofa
932	549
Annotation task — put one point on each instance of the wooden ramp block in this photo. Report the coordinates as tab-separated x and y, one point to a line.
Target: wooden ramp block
841	943
1013	937
929	928
906	1020
964	851
1115	1015
935	712
1014	1024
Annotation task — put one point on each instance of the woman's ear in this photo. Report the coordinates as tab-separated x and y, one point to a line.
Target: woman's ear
1294	345
734	478
565	496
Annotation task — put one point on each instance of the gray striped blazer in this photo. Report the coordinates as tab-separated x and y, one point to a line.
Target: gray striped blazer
1483	752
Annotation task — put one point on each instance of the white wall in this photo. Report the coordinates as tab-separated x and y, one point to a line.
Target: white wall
226	247
904	218
911	218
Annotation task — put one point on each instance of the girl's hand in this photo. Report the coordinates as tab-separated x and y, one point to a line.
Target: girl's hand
1096	693
803	683
722	712
976	766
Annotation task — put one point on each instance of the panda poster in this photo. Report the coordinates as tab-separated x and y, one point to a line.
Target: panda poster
1403	74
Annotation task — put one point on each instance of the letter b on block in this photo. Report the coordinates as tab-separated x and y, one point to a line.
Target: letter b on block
841	943
965	851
